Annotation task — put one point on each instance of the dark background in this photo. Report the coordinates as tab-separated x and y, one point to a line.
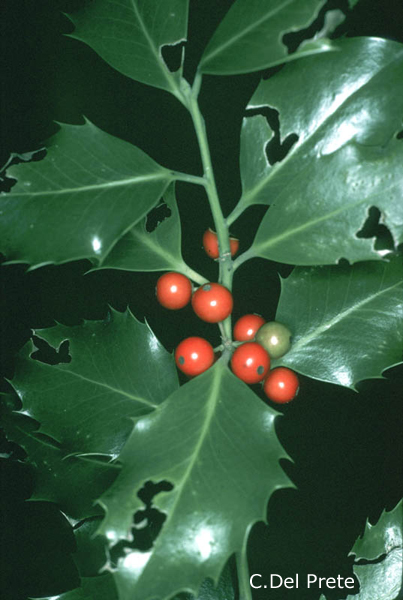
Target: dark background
347	447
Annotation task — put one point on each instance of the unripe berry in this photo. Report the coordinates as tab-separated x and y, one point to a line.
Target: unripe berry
275	338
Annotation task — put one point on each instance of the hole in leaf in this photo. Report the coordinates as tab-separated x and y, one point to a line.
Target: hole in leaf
172	55
344	263
6	183
157	215
276	150
143	539
384	239
151	489
322	26
370	226
399	136
49	355
147	522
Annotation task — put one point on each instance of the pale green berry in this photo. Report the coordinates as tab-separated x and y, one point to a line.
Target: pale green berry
275	338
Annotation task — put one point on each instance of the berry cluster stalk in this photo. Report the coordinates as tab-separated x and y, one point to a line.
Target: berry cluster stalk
225	259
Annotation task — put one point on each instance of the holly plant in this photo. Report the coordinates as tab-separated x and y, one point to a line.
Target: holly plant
209	390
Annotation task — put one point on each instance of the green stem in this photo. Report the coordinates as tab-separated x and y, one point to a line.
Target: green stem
225	261
245	591
236	213
193	275
247	255
189	178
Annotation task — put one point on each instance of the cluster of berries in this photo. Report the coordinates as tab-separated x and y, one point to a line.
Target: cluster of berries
259	341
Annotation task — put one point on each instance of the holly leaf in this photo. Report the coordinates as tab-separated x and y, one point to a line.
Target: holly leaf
346	159
249	38
332	20
72	482
381	579
91	557
214	441
101	587
91	552
255	135
114	375
129	35
224	590
158	250
77	202
346	321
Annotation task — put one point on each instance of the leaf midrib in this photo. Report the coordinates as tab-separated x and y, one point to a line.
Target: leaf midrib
244	32
147	239
257	248
100	186
211	405
342	315
105	385
153	48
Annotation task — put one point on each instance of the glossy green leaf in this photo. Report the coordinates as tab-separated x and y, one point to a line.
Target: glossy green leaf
255	135
383	537
224	590
346	322
114	375
215	441
346	159
101	587
72	482
249	38
159	250
381	580
333	18
91	552
91	556
77	202
129	35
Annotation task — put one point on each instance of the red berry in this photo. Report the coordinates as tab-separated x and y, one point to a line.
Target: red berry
247	326
281	385
212	302
210	244
194	355
250	362
174	290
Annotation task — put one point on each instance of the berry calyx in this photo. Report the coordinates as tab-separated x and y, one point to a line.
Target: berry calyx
281	385
275	338
210	244
247	326
174	290
212	302
250	362
194	355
